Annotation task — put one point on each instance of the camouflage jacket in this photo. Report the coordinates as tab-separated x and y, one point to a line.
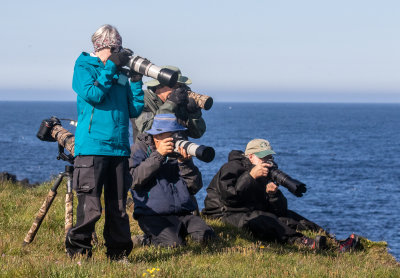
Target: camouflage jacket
153	105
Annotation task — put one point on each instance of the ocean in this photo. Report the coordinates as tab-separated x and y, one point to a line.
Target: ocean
347	154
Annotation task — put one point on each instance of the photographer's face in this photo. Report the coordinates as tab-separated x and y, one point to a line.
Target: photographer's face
256	160
163	92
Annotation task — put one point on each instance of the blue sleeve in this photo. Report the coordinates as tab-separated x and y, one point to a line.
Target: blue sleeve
87	87
136	101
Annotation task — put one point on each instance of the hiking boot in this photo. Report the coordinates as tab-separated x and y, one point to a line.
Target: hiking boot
349	244
140	240
318	243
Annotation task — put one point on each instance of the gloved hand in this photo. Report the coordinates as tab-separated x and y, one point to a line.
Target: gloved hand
120	59
192	106
135	76
179	96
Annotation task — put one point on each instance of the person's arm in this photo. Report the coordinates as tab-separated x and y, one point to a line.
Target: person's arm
277	203
135	99
191	175
144	167
196	124
90	89
233	184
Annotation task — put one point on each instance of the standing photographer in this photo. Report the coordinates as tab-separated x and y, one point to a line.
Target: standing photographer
160	99
105	100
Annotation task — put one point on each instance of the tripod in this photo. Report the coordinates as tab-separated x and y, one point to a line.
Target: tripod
69	169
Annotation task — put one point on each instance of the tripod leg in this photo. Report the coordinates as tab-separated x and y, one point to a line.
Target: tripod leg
69	214
42	211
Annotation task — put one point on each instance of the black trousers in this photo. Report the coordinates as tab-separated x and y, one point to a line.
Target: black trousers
171	230
267	226
91	174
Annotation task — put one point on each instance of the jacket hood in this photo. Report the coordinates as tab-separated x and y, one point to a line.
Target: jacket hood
236	155
239	157
85	58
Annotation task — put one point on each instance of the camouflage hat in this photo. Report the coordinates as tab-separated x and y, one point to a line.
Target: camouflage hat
181	79
260	147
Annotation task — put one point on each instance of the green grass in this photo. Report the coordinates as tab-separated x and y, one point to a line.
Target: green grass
236	254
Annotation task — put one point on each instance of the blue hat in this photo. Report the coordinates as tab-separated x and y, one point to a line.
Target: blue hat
165	123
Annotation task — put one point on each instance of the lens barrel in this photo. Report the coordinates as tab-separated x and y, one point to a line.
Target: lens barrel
166	77
294	186
204	153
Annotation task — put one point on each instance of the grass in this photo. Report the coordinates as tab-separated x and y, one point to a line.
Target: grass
236	254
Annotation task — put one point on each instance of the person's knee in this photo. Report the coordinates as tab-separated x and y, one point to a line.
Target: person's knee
203	236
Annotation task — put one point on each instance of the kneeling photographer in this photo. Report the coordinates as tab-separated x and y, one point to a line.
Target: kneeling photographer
163	183
162	99
245	194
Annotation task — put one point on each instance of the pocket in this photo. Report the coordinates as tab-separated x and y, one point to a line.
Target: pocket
83	179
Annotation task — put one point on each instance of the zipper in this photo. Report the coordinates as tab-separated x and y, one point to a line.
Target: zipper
91	118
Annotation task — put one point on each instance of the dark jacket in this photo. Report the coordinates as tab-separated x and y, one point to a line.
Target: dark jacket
153	105
233	189
161	185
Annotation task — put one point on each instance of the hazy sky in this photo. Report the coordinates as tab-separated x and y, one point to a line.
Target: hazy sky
346	51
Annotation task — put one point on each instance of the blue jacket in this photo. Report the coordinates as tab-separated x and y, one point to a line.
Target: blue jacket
161	186
104	107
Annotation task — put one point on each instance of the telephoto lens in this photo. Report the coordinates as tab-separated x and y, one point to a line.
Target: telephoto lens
203	101
166	77
204	153
294	186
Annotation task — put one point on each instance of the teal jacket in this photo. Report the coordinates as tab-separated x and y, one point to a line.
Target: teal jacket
104	107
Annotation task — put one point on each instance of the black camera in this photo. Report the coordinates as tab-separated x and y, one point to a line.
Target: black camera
279	177
204	153
46	126
51	130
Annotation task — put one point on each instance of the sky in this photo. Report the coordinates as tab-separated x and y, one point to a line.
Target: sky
272	51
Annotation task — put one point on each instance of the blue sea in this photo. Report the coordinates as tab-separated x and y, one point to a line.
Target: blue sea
347	154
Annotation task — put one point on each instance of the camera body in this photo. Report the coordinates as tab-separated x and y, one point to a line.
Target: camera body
51	130
202	152
46	126
279	177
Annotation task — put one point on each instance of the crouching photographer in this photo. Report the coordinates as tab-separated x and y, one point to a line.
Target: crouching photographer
163	185
245	194
178	100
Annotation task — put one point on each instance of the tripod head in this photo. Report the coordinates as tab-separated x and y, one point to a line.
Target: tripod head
63	156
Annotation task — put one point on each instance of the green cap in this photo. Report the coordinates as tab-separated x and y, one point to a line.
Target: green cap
260	147
181	79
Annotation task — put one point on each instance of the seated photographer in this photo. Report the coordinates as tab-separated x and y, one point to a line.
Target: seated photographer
159	99
242	194
105	101
162	187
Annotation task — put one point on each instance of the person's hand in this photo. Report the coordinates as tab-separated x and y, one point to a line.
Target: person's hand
165	146
192	106
260	170
271	187
184	155
135	76
179	96
120	59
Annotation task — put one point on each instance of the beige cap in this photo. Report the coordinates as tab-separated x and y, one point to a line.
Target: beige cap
260	147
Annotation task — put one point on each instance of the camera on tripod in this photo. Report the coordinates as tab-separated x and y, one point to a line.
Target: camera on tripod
51	130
